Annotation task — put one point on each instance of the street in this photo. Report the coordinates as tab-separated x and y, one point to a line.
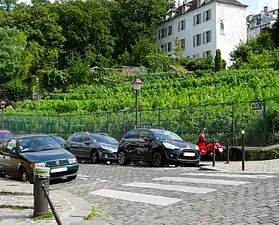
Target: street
176	195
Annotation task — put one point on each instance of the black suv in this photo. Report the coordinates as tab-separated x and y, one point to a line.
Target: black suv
157	147
96	147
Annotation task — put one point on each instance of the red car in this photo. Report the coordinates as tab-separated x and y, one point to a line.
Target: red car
5	134
206	149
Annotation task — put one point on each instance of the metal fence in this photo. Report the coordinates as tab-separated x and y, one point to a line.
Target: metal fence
222	121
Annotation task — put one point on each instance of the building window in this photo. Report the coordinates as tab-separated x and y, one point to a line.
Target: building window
197	40
197	19
207	15
163	47
170	30
181	25
169	47
222	28
207	37
183	43
206	54
196	56
159	34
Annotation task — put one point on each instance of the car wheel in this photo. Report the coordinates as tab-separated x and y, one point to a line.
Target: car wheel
157	159
2	175
24	175
95	157
71	177
122	158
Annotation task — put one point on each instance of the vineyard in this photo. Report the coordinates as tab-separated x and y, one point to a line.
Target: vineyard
182	102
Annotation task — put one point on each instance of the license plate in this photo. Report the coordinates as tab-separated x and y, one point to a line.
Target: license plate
189	154
61	169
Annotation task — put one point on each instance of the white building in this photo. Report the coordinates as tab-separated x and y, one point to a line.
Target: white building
204	26
265	19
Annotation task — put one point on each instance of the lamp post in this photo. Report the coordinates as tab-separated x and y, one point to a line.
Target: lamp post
136	86
243	151
2	105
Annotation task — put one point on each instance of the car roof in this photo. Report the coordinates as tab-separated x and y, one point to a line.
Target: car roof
32	135
5	131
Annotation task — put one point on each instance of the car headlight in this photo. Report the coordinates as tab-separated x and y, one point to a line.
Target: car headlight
107	148
40	164
72	161
197	147
170	146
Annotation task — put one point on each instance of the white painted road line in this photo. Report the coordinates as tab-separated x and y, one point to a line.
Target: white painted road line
213	174
202	181
181	188
135	197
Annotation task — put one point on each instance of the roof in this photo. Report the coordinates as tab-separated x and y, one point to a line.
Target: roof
4	131
193	5
32	135
179	69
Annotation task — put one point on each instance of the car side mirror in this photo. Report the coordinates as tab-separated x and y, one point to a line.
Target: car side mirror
148	139
13	151
87	142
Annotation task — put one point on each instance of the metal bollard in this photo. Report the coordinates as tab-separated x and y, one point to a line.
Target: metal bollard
243	150
41	177
213	150
228	151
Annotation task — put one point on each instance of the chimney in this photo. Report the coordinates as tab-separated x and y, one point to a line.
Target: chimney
265	10
199	3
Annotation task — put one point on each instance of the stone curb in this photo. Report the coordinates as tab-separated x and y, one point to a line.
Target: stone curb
211	168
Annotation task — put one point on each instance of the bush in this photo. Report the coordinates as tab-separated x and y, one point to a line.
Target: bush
251	154
16	90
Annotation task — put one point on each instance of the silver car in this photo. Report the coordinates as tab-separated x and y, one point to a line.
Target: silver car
97	147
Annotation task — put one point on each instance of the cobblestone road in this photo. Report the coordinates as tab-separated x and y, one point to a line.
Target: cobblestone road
182	195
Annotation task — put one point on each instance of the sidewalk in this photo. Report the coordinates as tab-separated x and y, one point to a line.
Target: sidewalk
263	166
16	203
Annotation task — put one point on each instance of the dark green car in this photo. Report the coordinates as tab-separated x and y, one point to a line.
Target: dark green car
19	155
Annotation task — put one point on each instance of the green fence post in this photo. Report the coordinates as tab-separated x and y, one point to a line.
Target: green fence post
58	123
265	123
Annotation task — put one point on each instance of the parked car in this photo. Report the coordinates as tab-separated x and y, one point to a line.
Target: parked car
157	147
97	147
5	134
21	154
59	139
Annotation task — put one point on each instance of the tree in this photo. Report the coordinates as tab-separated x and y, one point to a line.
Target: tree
275	32
133	17
7	4
218	60
12	46
143	47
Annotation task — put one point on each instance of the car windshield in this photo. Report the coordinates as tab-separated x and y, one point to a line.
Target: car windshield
38	143
5	135
59	139
104	139
166	135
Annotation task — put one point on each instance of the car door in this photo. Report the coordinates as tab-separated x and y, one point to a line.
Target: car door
3	150
131	145
85	146
144	149
74	145
12	158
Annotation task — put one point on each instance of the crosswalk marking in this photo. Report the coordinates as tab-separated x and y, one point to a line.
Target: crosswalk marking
203	181
181	188
212	174
135	197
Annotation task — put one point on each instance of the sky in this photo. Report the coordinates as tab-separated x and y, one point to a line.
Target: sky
255	6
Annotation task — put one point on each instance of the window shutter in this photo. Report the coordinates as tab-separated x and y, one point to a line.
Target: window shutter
194	20
203	38
204	16
178	26
194	41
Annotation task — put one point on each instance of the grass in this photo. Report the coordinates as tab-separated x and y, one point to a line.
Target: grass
90	215
49	215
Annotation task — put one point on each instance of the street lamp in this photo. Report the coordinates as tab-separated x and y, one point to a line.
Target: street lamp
136	86
2	105
243	151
